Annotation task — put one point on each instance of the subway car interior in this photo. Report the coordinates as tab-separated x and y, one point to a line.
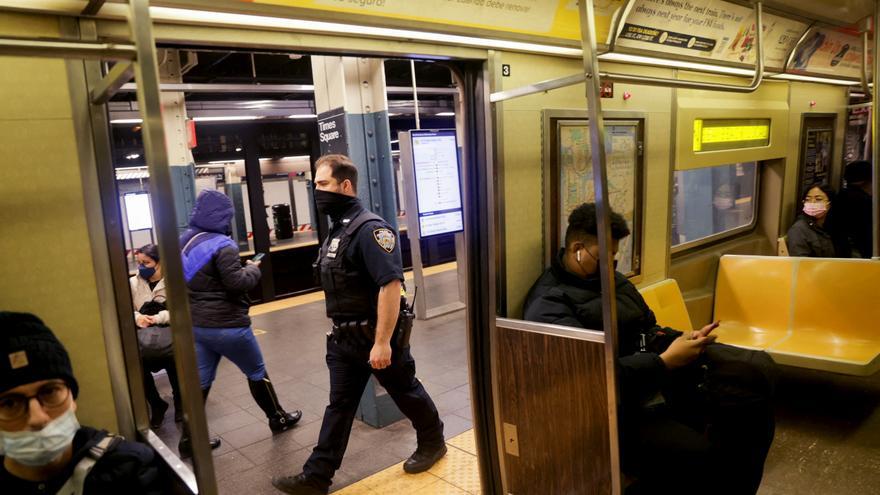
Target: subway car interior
640	238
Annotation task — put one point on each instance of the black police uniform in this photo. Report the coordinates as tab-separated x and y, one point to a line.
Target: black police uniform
359	256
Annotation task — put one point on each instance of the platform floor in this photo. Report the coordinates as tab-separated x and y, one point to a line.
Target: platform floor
291	334
827	437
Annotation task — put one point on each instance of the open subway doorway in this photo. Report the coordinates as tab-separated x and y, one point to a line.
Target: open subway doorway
253	131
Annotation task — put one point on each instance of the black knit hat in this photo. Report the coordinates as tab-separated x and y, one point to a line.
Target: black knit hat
30	352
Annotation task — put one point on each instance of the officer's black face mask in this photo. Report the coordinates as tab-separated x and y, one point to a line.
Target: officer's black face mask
333	204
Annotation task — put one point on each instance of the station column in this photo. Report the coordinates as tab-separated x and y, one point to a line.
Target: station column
352	110
180	158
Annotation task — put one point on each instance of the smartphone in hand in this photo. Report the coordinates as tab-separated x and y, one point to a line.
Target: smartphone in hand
258	257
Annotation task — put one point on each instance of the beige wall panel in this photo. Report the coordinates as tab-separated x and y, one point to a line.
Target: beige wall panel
769	101
521	157
658	139
48	269
829	99
28	25
29	85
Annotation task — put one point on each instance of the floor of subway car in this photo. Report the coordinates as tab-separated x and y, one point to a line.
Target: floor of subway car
827	437
291	335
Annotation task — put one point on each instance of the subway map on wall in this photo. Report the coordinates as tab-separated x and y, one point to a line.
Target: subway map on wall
576	178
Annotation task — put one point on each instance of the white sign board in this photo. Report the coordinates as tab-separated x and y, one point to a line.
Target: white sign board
137	211
438	186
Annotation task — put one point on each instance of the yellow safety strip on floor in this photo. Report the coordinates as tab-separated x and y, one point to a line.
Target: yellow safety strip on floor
293	302
456	474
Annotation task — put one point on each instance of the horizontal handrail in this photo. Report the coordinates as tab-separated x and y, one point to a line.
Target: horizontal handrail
597	336
66	49
273	88
562	82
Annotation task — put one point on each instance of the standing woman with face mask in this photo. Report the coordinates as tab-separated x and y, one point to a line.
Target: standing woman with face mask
814	234
154	334
218	297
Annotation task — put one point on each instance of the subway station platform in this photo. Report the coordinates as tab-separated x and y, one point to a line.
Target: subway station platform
291	334
827	436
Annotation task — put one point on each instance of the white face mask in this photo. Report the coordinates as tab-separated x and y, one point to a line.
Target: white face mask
38	448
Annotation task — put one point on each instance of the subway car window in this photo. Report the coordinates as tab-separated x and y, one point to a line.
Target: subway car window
713	202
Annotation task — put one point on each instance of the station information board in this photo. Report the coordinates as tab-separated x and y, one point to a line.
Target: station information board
437	179
137	211
730	134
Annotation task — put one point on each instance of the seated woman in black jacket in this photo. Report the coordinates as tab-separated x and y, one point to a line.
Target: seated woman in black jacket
815	233
673	437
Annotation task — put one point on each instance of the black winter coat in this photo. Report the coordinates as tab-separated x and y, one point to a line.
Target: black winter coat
129	468
218	291
806	238
561	298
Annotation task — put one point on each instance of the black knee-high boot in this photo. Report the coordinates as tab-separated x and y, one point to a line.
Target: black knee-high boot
264	394
185	445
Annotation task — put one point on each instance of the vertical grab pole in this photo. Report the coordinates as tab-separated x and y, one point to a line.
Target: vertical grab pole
875	135
603	207
162	202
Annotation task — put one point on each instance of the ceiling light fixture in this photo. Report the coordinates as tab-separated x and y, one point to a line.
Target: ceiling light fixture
824	80
126	121
223	18
225	118
445	114
302	116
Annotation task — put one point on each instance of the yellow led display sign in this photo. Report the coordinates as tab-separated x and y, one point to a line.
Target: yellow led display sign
730	134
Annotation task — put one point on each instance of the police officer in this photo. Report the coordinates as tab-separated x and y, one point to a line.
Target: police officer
361	272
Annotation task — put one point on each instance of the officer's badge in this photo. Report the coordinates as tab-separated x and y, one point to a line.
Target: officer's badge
334	246
385	238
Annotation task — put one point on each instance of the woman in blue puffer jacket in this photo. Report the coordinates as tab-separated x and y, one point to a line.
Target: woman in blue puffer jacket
218	286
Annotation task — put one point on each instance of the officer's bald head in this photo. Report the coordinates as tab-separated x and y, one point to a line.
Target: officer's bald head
341	169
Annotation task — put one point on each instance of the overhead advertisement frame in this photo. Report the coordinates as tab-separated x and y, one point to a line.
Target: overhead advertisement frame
536	21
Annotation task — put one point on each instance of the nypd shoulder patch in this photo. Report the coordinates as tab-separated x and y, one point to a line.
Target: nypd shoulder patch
385	238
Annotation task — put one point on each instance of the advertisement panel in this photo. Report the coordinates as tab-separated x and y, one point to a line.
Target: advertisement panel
713	29
546	18
829	52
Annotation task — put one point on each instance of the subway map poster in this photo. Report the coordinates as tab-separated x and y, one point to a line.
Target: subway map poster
576	178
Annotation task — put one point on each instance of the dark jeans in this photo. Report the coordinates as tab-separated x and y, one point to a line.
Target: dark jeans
349	372
692	445
236	344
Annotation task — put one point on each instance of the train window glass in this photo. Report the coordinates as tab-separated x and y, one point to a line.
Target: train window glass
713	202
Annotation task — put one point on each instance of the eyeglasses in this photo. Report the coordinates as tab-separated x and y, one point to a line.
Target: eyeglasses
50	396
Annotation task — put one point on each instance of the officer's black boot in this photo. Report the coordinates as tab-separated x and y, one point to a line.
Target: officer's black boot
423	458
184	447
264	393
298	485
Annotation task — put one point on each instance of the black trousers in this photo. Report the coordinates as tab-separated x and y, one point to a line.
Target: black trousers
349	373
693	445
150	390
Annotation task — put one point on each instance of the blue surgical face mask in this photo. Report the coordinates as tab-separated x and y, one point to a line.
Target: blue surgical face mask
146	272
38	448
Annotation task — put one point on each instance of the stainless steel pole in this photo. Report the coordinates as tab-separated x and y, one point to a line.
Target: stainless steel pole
603	207
162	201
875	135
415	92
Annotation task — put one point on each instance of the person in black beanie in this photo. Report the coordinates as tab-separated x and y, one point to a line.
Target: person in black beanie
42	444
